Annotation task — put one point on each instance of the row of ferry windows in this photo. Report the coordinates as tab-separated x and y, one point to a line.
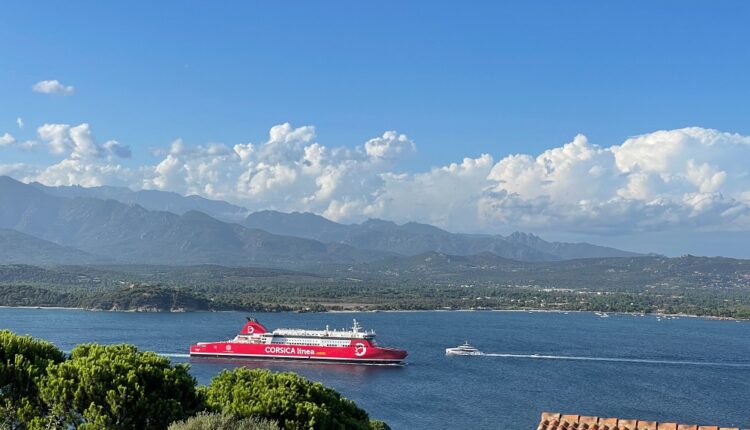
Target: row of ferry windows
313	342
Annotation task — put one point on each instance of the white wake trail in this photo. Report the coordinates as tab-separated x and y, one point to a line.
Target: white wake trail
173	355
163	354
620	360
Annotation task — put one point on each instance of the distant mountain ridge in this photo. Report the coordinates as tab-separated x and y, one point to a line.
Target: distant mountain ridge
414	238
153	200
118	225
17	247
132	234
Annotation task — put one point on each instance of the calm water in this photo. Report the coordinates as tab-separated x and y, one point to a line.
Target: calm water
687	370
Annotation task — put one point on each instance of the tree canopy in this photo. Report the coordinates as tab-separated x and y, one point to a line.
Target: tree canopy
217	421
293	401
23	361
119	387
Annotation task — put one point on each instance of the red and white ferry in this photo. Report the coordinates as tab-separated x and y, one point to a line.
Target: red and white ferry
344	346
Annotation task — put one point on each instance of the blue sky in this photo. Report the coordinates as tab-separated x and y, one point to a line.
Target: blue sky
495	77
459	79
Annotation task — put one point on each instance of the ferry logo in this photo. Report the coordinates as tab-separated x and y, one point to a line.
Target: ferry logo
250	329
360	349
289	350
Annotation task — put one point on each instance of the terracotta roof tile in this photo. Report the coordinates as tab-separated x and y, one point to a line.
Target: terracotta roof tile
556	421
588	420
607	423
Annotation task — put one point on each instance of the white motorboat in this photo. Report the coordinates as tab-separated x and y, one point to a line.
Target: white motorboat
464	349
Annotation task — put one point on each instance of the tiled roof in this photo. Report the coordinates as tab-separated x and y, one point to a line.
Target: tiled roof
555	421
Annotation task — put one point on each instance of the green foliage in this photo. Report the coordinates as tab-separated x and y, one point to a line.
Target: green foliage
148	298
118	387
692	285
379	425
293	401
23	361
215	421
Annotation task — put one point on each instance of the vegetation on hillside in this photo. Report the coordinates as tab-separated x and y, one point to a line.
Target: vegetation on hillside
218	421
120	387
692	285
292	400
23	361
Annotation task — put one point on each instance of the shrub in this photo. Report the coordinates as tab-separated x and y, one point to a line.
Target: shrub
379	425
214	421
23	361
118	387
293	401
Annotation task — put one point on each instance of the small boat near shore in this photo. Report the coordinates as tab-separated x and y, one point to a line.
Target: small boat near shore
464	349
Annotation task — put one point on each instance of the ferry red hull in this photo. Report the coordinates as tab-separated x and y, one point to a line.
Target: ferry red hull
255	342
371	354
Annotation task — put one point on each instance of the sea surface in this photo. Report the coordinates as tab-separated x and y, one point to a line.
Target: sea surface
687	370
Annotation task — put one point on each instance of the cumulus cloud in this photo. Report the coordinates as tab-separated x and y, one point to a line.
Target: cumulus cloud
7	140
691	177
289	171
688	177
390	145
53	87
19	122
117	149
84	161
78	142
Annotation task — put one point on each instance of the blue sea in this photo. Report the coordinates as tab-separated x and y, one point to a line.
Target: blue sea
687	370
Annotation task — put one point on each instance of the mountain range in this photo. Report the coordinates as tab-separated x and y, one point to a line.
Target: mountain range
75	225
153	200
127	233
17	247
414	238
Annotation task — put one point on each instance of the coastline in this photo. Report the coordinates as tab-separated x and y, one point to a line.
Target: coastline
357	311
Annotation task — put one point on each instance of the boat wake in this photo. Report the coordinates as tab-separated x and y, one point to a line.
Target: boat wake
163	354
173	355
240	359
620	360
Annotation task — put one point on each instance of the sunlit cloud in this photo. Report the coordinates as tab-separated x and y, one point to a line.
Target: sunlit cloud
691	177
53	87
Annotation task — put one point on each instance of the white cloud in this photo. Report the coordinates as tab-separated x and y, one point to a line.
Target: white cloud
692	178
78	142
390	145
688	177
289	171
53	87
19	122
117	149
19	170
7	140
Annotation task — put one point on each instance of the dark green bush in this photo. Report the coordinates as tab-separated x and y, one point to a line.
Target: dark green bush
23	361
118	387
379	425
214	421
293	401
